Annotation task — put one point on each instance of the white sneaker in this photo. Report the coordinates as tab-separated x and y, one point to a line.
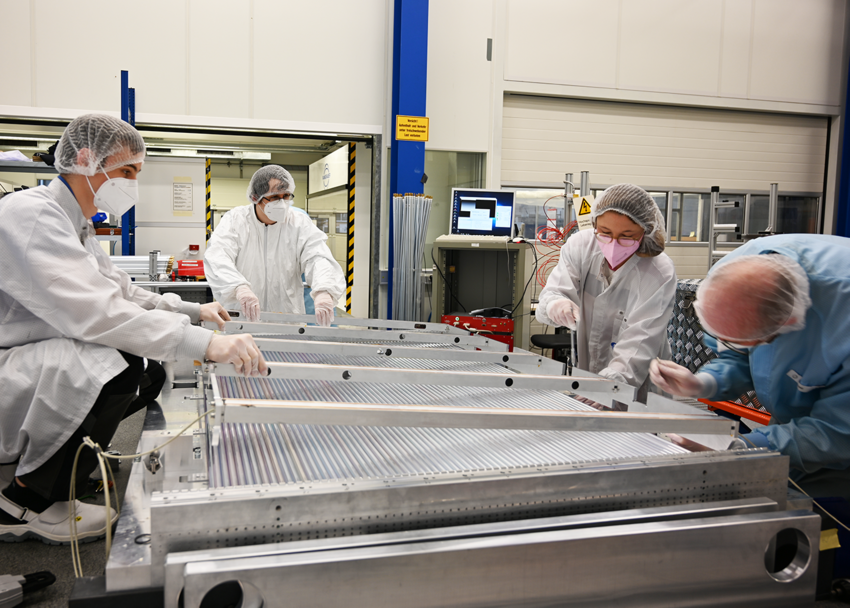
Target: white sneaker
52	526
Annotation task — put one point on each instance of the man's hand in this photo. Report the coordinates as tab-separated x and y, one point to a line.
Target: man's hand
675	379
249	302
564	312
215	313
241	351
324	305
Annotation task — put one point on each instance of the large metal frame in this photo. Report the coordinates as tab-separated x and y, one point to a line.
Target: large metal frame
474	527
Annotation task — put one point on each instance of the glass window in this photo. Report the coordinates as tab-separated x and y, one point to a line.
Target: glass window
798	214
759	214
537	209
341	223
730	215
322	223
447	170
689	217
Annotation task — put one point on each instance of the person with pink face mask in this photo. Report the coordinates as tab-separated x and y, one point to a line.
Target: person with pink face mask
615	287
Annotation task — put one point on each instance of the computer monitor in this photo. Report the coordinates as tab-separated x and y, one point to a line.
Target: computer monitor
482	212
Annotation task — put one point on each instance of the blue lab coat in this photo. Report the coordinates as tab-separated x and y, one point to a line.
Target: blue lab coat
802	377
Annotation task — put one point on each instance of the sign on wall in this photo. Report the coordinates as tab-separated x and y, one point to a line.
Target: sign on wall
329	172
411	128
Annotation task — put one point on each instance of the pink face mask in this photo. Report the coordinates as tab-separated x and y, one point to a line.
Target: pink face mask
615	253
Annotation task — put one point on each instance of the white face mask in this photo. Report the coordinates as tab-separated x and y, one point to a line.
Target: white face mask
276	211
116	195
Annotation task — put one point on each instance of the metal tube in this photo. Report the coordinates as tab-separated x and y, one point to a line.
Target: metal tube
375	232
569	188
773	209
153	263
715	198
585	183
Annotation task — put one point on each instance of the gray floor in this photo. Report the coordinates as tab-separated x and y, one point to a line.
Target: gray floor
32	556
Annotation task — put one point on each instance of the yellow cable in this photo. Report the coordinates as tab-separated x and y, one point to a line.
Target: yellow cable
820	506
105	472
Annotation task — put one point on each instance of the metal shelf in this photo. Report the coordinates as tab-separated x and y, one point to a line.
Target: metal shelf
19	166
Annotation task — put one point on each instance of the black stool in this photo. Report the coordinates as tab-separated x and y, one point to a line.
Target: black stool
560	342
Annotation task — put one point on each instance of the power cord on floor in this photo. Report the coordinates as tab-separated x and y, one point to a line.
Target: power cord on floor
106	473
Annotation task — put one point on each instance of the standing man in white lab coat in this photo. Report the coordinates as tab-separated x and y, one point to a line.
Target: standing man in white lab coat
615	285
256	256
74	331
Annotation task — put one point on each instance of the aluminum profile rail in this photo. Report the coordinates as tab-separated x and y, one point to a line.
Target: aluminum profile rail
524	362
453	417
364	336
345	321
380	375
139	265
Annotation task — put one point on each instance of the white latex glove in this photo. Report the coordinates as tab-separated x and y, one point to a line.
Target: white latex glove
324	305
678	380
249	302
215	313
564	313
241	351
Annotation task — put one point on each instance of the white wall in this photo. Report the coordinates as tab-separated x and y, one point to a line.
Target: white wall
781	56
759	50
157	225
218	61
459	95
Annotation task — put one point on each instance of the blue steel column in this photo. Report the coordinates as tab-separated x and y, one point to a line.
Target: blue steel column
410	71
842	223
128	114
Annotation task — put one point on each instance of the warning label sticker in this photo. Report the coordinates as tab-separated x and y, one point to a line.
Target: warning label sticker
411	128
584	210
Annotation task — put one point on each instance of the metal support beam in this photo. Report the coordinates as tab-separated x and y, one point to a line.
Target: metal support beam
452	417
361	335
410	76
443	328
307	371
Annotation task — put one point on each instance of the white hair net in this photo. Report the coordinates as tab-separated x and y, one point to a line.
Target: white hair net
754	297
260	187
106	143
635	203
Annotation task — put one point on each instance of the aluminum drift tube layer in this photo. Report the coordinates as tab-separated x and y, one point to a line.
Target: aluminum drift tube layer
251	454
410	225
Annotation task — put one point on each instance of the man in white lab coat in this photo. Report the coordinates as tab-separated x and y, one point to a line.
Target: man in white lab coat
256	256
74	331
617	285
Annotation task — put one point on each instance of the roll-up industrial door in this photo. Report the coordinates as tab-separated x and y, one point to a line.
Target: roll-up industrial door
659	146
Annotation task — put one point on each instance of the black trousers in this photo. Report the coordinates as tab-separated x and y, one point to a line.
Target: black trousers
117	400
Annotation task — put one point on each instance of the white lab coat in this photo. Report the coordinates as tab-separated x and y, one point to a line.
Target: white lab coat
270	260
65	311
623	326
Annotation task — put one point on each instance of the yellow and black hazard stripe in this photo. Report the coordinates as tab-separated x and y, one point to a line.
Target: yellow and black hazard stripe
209	208
349	273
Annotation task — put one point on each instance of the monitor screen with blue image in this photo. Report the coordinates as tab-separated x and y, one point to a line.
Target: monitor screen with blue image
482	212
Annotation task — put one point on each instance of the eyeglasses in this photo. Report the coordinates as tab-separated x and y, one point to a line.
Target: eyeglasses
734	348
623	241
286	196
